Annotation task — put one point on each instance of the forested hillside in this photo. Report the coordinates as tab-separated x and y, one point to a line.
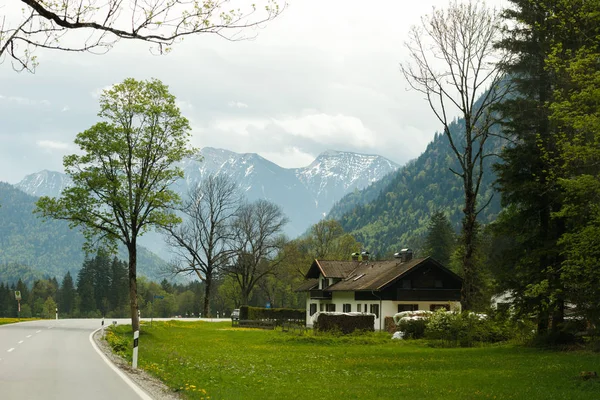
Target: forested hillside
32	248
393	213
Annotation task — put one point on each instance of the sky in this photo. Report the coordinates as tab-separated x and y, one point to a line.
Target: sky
324	75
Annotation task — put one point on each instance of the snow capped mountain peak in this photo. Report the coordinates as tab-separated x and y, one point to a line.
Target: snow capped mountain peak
306	194
44	183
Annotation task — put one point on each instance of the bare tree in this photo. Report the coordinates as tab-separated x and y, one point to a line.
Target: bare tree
89	25
257	241
201	243
455	64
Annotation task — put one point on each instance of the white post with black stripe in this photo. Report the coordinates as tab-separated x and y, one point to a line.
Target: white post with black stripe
136	337
102	327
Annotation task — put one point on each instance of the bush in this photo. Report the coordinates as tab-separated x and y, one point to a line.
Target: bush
118	344
412	323
413	328
272	314
467	328
345	324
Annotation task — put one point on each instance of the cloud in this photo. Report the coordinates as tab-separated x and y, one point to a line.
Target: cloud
24	101
65	109
53	145
237	104
98	91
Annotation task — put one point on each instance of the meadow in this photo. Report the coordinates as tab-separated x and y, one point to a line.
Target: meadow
204	360
5	321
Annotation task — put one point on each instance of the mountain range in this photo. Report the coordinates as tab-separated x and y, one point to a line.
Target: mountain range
306	194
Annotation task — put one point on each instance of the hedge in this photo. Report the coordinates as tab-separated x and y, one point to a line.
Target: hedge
274	314
344	323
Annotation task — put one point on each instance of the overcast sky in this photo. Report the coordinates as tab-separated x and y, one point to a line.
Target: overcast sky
324	75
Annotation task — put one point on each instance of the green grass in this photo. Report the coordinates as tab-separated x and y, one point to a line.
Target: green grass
4	321
211	360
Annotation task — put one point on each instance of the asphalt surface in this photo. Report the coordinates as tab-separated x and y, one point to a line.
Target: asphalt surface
55	360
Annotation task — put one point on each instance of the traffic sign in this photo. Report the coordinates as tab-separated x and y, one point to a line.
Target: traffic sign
17	294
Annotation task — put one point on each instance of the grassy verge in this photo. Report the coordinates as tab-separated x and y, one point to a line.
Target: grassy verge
4	321
212	360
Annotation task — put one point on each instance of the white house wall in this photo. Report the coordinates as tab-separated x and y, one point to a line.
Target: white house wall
387	308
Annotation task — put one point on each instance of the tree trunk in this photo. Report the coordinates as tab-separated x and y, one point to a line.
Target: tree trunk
133	303
469	231
207	290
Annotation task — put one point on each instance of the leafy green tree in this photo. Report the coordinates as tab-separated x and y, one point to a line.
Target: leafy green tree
453	61
49	308
67	295
122	177
576	113
322	237
441	239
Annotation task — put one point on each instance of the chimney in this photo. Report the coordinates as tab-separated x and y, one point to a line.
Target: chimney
355	256
365	256
406	255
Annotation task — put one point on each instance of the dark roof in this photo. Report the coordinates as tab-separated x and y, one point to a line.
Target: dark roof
374	275
331	269
307	285
365	275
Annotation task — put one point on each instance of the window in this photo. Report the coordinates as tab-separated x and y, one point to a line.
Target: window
330	307
347	308
313	308
324	283
374	309
435	307
358	308
322	307
408	307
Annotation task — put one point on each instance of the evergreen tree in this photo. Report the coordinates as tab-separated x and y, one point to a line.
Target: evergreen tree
441	239
529	190
85	288
101	267
67	295
119	289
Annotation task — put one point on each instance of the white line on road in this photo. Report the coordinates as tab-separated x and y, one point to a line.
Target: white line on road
11	349
139	391
37	331
28	336
20	341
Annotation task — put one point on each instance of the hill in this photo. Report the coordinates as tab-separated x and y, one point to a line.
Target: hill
32	248
393	213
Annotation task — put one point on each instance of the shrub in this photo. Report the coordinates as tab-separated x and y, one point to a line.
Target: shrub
412	323
272	314
117	343
467	328
345	324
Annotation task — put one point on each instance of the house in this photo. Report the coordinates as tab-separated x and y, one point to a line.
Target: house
383	288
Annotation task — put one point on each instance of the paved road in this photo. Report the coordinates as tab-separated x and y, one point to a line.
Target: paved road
55	360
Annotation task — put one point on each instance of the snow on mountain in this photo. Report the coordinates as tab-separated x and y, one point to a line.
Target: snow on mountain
44	183
306	194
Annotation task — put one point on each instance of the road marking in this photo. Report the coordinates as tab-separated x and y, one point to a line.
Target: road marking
28	336
20	341
38	332
139	391
11	349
